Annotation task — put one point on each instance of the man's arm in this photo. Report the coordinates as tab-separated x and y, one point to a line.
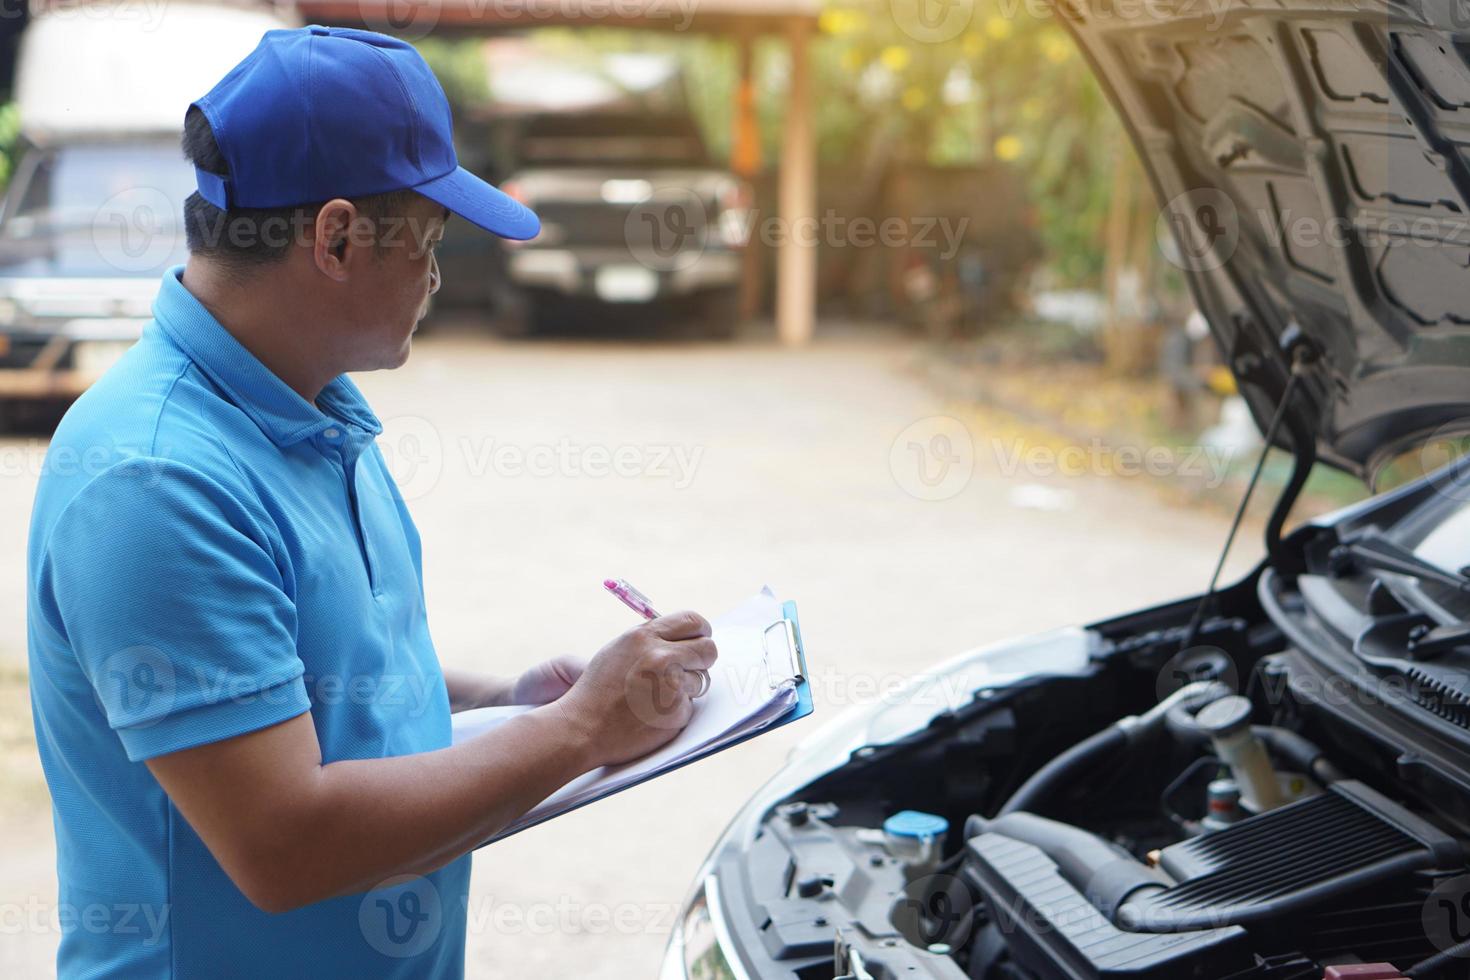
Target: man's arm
290	831
468	689
542	684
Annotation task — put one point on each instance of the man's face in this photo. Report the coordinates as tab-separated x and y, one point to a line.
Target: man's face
391	289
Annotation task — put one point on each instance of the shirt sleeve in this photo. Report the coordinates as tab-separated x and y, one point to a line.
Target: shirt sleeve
167	591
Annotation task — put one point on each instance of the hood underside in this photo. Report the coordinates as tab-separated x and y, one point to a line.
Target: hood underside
1314	164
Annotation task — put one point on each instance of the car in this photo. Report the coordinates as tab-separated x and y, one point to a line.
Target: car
1265	781
92	215
634	217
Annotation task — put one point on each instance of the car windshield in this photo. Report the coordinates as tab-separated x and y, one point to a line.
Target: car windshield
74	187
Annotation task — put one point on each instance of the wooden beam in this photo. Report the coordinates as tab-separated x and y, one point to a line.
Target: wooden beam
796	276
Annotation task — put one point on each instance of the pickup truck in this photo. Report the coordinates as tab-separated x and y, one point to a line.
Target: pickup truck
93	214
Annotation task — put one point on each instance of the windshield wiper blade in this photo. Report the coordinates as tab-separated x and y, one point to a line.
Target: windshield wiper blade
1371	550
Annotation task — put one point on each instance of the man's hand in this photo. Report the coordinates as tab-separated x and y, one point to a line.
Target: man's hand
547	681
636	693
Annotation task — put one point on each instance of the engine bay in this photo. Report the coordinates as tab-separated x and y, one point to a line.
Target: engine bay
1141	821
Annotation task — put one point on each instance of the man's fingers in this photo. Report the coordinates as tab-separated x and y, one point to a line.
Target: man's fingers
680	626
696	654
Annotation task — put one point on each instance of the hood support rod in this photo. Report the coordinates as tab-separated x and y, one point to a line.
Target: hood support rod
1304	452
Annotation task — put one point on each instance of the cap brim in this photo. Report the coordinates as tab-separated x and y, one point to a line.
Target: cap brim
482	204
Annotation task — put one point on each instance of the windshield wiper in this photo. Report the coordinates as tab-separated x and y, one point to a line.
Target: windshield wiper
1371	550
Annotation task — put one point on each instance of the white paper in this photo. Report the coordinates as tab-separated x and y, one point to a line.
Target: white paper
746	695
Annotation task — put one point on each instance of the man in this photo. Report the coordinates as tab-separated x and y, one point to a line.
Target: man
242	719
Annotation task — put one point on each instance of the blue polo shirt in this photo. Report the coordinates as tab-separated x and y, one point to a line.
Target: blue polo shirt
210	554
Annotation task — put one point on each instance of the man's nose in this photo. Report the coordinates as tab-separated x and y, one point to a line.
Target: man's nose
433	273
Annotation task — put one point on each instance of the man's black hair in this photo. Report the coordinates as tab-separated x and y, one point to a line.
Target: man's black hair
245	239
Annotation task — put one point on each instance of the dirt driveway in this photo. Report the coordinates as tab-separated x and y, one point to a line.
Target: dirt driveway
698	472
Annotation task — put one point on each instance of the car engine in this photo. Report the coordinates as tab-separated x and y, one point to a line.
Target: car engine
1206	836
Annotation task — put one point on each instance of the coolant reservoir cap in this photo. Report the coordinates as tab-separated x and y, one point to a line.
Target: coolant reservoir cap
914	823
1225	716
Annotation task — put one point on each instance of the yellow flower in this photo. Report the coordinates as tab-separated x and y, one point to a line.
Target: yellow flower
1057	47
914	98
842	21
1009	148
895	57
999	28
973	45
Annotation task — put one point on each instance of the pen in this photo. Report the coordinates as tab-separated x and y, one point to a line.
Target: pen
630	597
643	606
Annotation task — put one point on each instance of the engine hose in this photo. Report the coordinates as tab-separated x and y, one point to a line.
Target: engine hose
1085	754
1436	965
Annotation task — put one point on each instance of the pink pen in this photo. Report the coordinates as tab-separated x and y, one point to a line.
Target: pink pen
631	597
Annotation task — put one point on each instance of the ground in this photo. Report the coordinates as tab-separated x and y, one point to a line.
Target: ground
699	472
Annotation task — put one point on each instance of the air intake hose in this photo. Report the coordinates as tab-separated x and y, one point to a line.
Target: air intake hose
1128	731
1108	876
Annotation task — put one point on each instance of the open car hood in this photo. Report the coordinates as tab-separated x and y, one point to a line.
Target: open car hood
1315	161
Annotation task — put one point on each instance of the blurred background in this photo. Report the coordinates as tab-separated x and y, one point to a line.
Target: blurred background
850	296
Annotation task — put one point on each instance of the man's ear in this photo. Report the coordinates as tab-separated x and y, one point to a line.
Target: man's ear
333	241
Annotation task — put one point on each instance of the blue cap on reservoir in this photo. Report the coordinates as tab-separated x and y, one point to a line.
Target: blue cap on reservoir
914	823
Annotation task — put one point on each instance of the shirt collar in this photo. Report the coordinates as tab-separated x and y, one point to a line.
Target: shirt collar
275	406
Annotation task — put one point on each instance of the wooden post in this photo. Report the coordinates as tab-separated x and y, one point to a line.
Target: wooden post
745	162
796	276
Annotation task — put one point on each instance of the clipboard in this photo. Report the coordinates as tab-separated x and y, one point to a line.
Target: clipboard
785	656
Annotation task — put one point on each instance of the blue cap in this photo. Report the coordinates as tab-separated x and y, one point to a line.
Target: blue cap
321	112
915	823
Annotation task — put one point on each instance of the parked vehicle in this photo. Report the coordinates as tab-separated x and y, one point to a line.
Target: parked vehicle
93	213
1268	782
633	214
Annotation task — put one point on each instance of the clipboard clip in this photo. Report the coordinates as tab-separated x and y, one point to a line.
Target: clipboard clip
784	661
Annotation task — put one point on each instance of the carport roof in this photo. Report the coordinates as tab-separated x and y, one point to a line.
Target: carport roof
507	15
